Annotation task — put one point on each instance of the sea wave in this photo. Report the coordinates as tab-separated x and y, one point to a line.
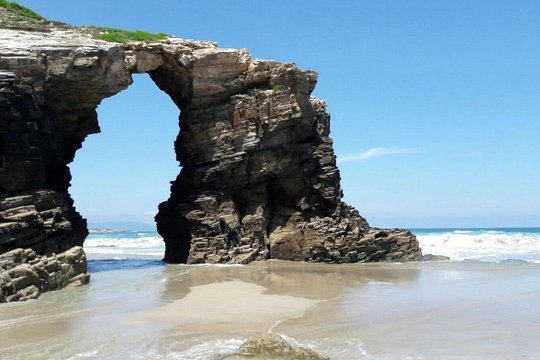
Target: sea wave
339	347
346	348
127	244
493	245
210	349
482	245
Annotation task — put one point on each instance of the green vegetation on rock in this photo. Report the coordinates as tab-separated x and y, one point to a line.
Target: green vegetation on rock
20	10
124	36
278	88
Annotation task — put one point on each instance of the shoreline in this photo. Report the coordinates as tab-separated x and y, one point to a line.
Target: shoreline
375	311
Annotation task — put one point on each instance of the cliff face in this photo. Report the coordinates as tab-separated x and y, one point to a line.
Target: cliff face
259	177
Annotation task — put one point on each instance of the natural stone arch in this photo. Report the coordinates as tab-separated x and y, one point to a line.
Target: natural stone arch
259	176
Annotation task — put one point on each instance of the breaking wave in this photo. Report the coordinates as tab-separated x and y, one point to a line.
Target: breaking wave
125	244
494	245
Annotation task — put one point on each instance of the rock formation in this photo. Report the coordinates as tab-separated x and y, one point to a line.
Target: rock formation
272	346
25	275
258	179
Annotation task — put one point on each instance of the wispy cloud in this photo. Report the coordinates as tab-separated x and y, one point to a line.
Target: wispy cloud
374	152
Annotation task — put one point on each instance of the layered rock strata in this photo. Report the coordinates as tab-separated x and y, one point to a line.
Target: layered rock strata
25	275
258	178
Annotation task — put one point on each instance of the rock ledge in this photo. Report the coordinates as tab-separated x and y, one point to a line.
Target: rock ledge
25	275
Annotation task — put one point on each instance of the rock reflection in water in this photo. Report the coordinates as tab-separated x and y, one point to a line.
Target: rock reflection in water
308	280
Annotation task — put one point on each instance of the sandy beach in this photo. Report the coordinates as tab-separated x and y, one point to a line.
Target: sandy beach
318	180
459	310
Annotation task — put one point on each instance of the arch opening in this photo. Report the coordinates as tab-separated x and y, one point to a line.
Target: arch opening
120	176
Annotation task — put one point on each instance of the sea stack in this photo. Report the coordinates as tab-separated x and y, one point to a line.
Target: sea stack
258	180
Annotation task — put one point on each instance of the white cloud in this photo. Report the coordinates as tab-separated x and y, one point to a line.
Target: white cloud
374	152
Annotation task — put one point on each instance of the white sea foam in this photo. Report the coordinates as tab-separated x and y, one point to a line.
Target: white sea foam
125	244
482	245
88	354
337	347
213	349
490	245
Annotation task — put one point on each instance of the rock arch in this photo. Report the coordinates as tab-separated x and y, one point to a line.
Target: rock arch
259	177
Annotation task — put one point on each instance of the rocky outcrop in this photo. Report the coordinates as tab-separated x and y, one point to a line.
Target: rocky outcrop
432	257
258	179
272	346
42	220
25	275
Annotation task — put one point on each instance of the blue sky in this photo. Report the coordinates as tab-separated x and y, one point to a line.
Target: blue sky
435	104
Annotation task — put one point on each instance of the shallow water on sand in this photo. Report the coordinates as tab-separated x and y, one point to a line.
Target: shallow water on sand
378	311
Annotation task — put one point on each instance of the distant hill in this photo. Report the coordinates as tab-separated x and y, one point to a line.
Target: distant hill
122	225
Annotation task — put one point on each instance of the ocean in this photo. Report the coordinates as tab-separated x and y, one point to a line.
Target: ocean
488	245
459	244
483	304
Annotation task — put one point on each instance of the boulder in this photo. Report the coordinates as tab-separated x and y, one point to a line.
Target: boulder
272	346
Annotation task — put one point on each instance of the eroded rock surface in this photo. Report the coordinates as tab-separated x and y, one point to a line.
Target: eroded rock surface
272	346
25	275
258	179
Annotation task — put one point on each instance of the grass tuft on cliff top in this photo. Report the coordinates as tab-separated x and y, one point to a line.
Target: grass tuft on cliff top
20	10
124	36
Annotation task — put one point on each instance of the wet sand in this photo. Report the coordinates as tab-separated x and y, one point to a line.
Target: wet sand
372	311
219	306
